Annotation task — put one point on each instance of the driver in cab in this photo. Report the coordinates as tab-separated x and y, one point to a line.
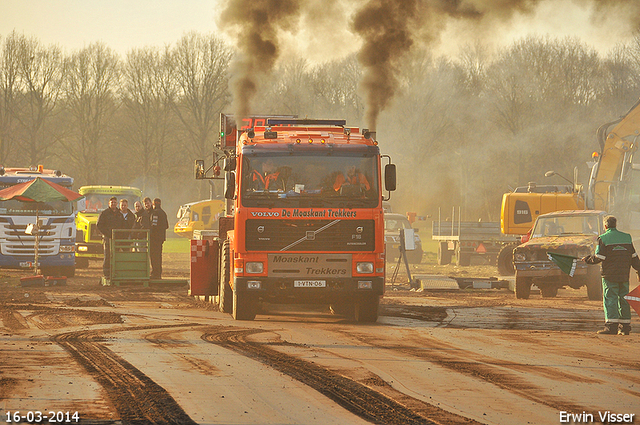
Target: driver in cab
353	176
268	179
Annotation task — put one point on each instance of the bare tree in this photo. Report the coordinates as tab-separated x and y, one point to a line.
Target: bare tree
9	65
335	89
288	92
200	66
91	82
148	95
40	72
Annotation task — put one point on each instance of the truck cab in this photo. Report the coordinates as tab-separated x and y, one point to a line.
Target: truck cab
304	220
201	215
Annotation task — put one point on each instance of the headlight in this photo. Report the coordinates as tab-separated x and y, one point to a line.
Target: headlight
364	268
67	248
254	267
518	256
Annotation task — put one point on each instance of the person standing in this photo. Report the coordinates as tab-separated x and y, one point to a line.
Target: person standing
109	219
127	214
616	253
158	234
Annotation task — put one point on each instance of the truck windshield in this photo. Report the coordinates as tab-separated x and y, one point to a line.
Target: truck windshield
306	180
96	202
567	225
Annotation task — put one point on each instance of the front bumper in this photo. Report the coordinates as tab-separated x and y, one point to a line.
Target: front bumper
546	269
26	261
283	290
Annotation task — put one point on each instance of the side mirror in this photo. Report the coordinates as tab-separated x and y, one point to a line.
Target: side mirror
199	169
230	185
390	177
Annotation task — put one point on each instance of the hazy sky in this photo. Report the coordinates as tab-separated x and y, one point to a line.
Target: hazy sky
125	24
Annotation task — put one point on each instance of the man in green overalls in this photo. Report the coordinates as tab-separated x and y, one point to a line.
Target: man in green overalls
616	253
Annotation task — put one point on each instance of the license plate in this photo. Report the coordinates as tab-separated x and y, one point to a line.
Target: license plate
309	283
26	264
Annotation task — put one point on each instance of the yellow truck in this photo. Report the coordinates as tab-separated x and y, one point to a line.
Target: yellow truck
201	215
88	237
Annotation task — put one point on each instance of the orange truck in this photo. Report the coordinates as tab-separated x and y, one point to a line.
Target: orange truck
304	219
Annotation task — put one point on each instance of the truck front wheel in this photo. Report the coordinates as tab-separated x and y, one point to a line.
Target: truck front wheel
244	307
82	263
366	310
523	287
225	295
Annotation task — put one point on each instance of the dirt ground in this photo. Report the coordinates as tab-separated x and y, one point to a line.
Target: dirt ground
156	355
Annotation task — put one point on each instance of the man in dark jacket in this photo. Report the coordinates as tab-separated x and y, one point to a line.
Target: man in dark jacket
157	236
128	215
109	219
616	253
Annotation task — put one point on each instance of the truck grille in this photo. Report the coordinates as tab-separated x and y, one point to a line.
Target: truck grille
17	242
310	235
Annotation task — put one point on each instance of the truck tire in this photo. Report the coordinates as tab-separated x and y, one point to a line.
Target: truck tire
548	290
444	255
523	287
594	283
505	260
225	294
462	258
244	308
82	263
366	310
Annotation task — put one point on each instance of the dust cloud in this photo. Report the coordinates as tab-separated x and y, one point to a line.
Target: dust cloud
388	31
255	25
390	28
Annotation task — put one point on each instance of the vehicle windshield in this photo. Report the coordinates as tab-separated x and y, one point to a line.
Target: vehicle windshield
184	215
96	202
567	225
305	180
395	224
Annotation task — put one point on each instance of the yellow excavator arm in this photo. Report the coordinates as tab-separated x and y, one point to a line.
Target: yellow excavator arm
610	172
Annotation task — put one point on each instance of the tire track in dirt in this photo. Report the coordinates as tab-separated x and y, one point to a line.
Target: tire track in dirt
6	387
44	317
480	367
164	339
13	320
137	398
357	398
612	341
